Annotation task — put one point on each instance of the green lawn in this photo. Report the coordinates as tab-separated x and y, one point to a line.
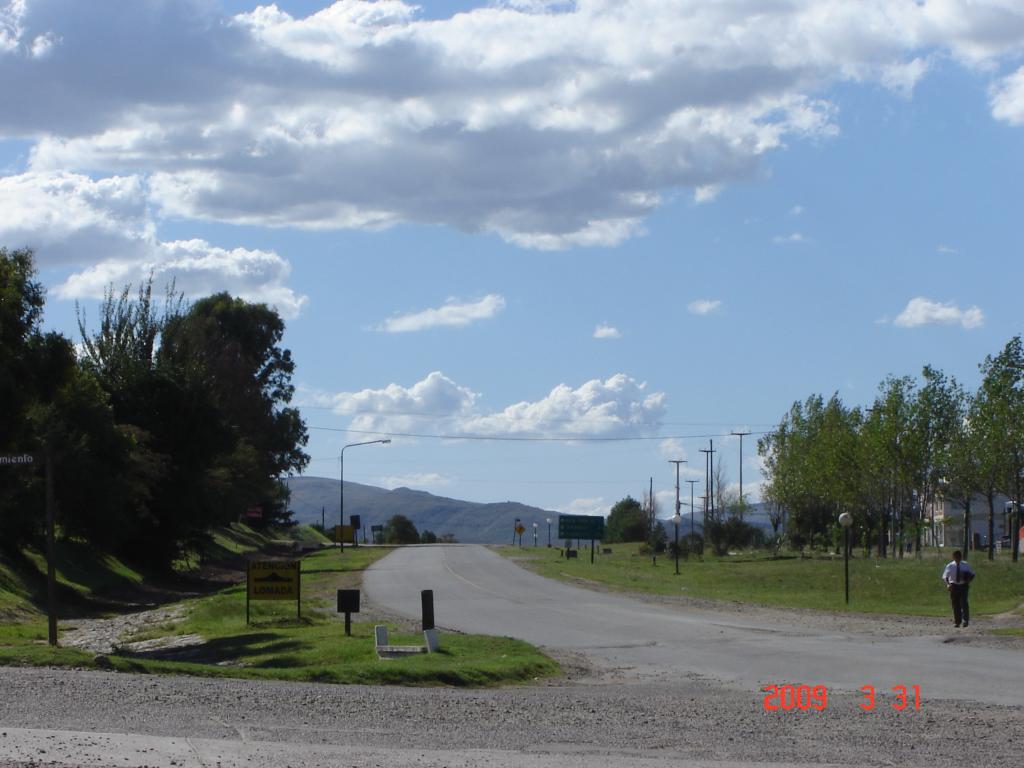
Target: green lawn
906	586
275	645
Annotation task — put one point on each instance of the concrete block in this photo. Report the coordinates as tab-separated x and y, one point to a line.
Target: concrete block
432	639
380	632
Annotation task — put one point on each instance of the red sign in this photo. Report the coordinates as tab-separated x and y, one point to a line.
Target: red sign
254	511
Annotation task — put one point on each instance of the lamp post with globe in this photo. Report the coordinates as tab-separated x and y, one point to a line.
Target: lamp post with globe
846	520
676	518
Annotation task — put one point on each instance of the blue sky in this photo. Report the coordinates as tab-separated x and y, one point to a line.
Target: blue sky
756	201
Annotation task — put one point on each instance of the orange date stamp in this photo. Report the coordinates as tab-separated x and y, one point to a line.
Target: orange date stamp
788	698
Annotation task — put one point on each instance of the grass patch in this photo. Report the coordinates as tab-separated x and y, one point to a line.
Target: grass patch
276	646
908	586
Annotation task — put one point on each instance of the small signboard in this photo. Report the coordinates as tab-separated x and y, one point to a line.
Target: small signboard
255	511
377	534
581	527
520	529
345	534
274	580
355	521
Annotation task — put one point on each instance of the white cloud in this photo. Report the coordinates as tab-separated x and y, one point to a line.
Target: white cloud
672	448
707	193
795	237
551	124
617	407
796	210
424	479
587	506
946	249
451	314
606	331
921	311
104	229
1007	98
703	306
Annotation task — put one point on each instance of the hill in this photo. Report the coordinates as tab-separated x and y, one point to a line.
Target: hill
466	520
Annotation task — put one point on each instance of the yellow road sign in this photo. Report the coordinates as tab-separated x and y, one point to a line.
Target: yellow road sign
520	529
274	580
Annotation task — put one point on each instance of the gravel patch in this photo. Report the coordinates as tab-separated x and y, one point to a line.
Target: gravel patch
104	636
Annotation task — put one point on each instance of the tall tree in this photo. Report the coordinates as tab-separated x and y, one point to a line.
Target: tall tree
627	521
1001	400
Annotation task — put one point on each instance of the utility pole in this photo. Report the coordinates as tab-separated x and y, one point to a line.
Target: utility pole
741	435
650	509
692	483
709	496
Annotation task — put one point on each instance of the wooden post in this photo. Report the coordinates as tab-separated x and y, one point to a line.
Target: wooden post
51	571
248	582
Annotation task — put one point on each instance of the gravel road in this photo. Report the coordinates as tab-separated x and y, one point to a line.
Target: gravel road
680	723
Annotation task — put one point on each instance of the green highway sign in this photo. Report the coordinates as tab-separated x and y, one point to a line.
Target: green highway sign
580	527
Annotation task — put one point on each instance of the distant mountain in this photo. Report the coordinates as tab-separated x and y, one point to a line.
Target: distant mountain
466	520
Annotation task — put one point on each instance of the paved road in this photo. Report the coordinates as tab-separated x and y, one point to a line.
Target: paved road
476	590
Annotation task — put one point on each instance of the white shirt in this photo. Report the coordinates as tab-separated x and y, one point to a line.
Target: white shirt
949	573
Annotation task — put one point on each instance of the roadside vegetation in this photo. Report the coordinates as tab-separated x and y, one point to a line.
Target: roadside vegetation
878	586
274	646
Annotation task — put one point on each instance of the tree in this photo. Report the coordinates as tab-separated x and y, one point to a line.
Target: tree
400	530
233	347
627	521
428	537
1002	397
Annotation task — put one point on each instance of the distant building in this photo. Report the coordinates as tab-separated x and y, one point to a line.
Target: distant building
949	522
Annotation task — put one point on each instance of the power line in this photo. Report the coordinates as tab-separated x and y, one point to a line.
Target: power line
439	415
509	439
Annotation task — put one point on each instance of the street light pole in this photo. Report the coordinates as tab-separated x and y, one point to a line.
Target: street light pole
341	500
535	534
549	533
675	519
846	520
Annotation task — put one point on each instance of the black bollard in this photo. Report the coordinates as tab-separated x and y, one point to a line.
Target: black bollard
427	598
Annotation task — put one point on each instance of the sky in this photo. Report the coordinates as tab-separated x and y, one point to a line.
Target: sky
561	243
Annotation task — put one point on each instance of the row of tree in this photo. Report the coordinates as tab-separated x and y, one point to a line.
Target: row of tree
920	442
164	421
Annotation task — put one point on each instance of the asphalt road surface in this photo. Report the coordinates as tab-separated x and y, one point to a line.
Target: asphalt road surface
476	590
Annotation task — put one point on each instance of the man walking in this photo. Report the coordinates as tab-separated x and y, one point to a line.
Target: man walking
958	576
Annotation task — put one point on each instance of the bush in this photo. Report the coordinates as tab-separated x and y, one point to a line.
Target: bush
731	533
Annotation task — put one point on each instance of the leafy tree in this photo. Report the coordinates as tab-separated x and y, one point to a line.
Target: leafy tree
428	537
1001	397
400	530
233	347
627	521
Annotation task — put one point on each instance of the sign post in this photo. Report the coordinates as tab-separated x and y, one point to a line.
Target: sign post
348	603
581	527
356	522
274	580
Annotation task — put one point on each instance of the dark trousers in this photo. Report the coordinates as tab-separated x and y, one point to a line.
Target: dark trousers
958	596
